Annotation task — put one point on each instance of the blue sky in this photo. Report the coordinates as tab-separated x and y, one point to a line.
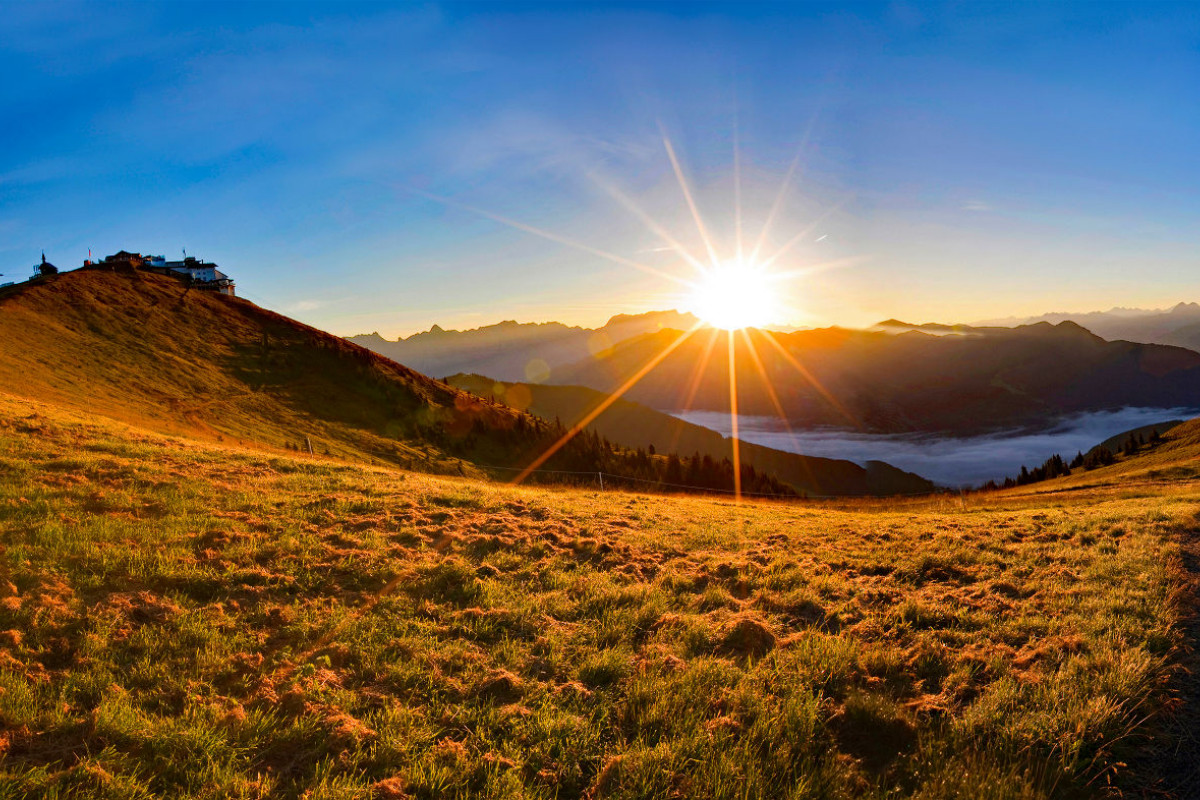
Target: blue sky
957	161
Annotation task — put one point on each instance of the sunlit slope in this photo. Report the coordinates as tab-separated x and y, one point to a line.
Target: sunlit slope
182	619
142	348
637	426
1117	441
1175	460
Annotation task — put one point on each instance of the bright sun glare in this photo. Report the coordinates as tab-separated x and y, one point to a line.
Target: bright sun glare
734	295
731	295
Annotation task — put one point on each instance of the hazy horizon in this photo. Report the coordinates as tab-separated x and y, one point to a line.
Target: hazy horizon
604	319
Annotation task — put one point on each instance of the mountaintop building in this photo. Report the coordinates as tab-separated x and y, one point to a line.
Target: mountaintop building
44	268
202	274
195	273
199	274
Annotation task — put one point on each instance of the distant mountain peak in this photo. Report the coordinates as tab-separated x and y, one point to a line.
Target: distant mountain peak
674	316
1072	327
373	336
1066	326
504	350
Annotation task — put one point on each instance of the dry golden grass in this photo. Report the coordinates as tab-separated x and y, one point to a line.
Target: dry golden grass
194	620
144	350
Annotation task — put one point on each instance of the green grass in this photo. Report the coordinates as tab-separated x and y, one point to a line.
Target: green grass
189	620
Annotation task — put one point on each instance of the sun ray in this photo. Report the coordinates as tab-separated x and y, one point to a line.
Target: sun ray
697	375
766	379
799	236
733	422
811	378
649	221
766	382
698	369
554	237
766	228
737	184
687	195
813	269
783	188
604	404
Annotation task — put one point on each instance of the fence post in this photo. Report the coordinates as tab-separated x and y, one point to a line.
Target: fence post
308	444
601	476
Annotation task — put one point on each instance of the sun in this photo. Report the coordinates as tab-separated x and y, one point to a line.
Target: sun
725	294
734	295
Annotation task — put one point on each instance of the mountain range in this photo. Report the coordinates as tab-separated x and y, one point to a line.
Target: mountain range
515	351
1179	325
634	425
975	381
897	377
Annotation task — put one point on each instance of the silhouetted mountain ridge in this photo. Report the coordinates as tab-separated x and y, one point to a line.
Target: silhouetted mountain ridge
516	351
1178	325
972	381
636	426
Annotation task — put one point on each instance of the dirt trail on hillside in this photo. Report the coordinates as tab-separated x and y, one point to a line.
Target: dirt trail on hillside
1174	768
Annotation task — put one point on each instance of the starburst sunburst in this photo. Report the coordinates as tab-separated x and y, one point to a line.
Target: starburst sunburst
733	295
728	295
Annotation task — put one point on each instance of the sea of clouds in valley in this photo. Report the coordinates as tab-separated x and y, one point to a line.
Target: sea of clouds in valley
947	461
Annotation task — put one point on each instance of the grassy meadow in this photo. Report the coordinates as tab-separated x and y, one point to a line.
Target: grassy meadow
186	619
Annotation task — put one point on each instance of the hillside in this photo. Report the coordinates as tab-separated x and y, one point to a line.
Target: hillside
1116	442
980	381
141	348
1166	464
191	619
515	351
637	426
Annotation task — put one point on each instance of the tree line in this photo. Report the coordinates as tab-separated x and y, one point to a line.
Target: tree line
1056	466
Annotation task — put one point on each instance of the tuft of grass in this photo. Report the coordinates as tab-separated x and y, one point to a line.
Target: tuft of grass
195	620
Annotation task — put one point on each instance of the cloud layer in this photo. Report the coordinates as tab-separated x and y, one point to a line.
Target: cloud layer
968	461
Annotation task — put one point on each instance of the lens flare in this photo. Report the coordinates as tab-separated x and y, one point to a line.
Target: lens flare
734	295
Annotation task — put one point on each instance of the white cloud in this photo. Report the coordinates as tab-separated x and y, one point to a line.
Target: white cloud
947	461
